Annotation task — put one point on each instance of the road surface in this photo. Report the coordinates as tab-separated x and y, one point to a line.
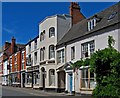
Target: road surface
13	92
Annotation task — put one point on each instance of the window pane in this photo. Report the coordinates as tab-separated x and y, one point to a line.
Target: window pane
51	52
92	83
52	77
72	53
85	78
60	56
92	47
85	50
51	32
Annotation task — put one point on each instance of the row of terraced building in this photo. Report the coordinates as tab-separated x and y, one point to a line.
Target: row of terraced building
45	61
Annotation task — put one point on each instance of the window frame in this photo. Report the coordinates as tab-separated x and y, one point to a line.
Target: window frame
91	24
42	54
35	57
87	80
51	76
35	44
73	53
86	49
29	47
51	52
42	35
60	56
51	33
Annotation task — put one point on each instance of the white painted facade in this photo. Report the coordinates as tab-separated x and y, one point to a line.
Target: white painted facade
101	42
5	73
62	24
29	79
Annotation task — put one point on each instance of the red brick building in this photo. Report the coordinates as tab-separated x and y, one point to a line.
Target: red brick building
17	67
8	60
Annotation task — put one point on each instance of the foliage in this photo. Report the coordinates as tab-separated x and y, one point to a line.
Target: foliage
111	41
106	64
81	62
78	64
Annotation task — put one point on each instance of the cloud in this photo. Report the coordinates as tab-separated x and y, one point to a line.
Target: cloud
10	31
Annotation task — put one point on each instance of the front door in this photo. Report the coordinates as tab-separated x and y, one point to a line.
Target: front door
71	78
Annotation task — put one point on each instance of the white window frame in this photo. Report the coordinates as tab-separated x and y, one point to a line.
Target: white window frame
51	52
51	33
73	53
91	24
35	57
51	77
87	81
86	48
35	44
60	56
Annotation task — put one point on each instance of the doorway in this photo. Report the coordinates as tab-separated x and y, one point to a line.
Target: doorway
23	79
43	77
71	83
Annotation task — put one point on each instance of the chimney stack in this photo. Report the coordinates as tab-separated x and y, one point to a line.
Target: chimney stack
75	13
13	45
7	44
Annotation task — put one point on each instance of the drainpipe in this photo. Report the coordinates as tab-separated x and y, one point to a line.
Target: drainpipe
65	53
73	92
66	74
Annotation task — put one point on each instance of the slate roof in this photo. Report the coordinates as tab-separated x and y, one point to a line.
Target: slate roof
80	29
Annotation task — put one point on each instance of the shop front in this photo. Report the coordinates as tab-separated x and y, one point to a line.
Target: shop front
29	78
36	76
15	79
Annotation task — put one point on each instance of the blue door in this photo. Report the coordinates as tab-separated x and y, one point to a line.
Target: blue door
70	83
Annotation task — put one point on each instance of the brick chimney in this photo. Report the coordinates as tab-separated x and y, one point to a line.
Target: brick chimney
75	13
7	44
13	45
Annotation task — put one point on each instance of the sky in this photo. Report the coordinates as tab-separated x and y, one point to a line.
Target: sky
21	19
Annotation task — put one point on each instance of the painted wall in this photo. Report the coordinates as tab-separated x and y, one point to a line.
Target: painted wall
61	24
101	42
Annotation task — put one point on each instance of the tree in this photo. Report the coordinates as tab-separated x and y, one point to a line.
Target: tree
106	65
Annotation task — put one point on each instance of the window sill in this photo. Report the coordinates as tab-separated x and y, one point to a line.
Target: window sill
86	89
51	36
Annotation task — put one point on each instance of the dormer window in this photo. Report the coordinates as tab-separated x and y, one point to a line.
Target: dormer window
91	24
51	32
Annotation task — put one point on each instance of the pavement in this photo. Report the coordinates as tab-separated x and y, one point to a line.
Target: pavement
12	92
